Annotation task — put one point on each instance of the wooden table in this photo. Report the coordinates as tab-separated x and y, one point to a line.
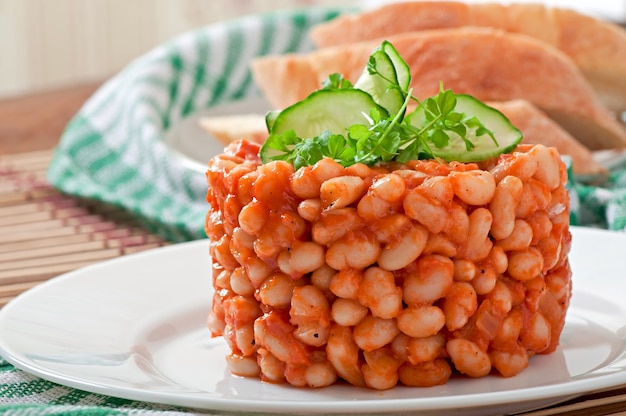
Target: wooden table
44	233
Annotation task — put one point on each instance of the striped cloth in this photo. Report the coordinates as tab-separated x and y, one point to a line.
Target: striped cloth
114	151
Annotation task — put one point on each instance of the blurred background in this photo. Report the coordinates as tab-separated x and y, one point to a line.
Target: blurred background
51	44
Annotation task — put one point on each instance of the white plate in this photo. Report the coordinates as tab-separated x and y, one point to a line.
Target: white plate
134	328
194	145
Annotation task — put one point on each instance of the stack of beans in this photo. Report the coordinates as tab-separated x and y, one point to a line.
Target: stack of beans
395	273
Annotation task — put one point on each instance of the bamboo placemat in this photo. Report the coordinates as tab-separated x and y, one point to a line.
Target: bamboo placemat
44	233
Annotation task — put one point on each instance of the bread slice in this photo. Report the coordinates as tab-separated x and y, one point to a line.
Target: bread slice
538	128
490	64
228	128
597	47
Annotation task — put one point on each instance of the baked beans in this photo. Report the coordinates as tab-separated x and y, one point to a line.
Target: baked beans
386	275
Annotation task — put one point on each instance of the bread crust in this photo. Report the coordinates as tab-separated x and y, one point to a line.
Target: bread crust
490	64
538	128
597	47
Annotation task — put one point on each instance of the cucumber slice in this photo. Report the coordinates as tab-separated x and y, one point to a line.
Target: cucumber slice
403	71
507	135
328	109
270	118
392	70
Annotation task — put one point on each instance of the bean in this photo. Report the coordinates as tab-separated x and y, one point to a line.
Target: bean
548	163
359	169
535	336
215	321
389	228
244	339
276	335
505	200
432	373
306	182
273	179
295	374
343	354
257	270
272	369
478	245
508	333
439	188
510	362
485	279
222	280
252	217
499	259
541	226
341	191
240	311
348	312
473	187
244	366
310	313
525	265
501	298
527	204
378	292
380	369
371	207
464	270
277	290
357	249
334	224
468	358
310	209
519	165
213	225
305	257
322	277
440	244
399	253
421	321
345	284
372	333
412	178
431	280
232	207
245	187
320	375
220	251
541	192
457	228
459	305
429	212
422	350
240	283
389	187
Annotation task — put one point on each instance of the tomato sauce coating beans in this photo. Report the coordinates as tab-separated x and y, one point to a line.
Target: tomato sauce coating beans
397	273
